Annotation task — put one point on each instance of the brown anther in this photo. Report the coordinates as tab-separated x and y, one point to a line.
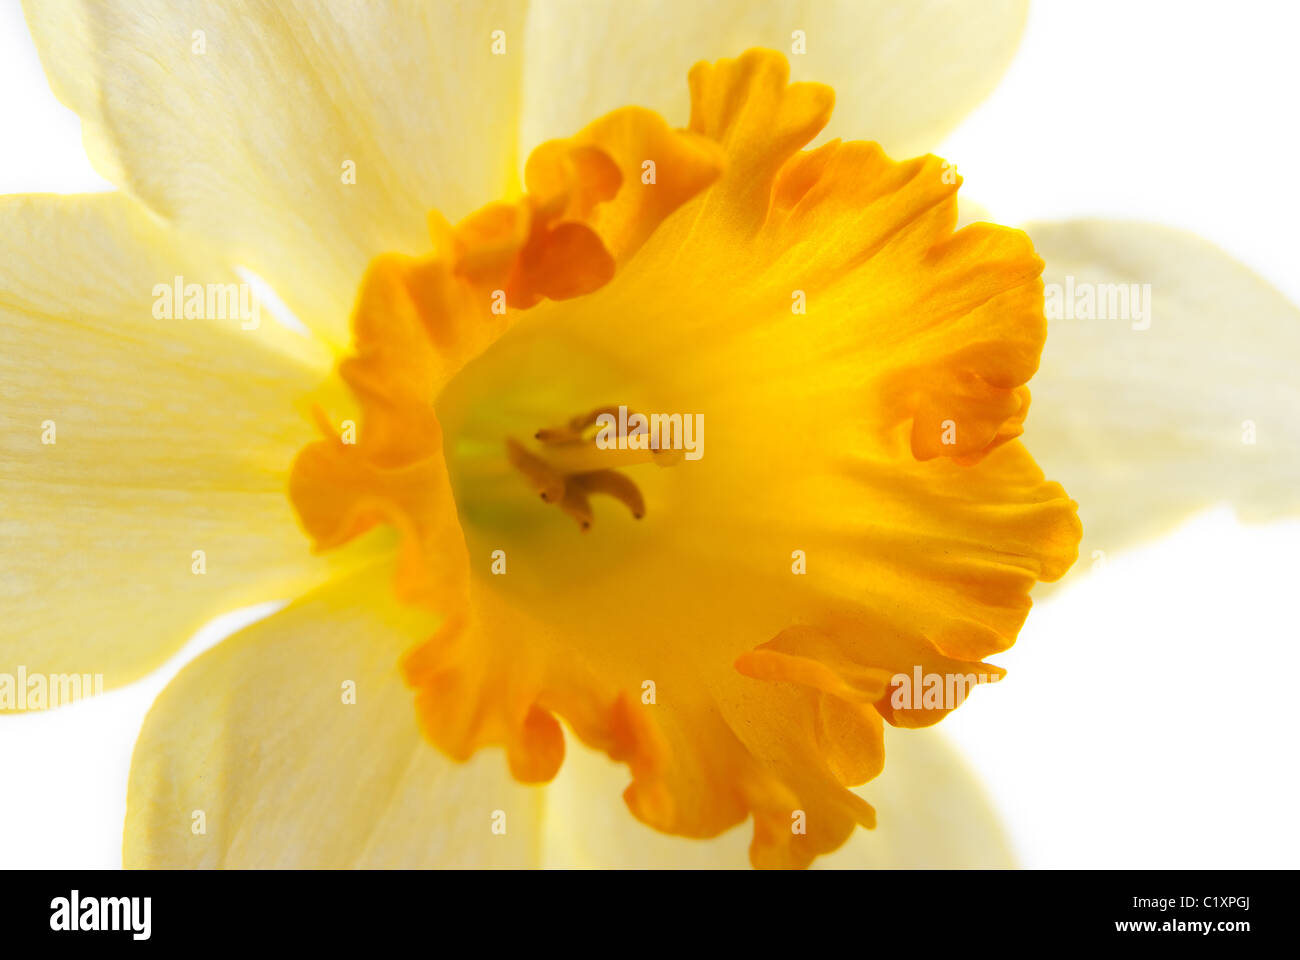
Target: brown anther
612	484
572	432
584	420
549	482
570	468
576	505
557	435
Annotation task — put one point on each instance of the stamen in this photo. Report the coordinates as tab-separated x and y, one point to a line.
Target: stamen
576	505
571	467
612	484
572	432
554	436
583	421
540	474
587	457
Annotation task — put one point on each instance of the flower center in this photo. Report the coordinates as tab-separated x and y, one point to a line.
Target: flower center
512	437
864	511
569	471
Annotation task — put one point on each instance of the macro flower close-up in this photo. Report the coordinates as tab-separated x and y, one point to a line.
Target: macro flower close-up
615	430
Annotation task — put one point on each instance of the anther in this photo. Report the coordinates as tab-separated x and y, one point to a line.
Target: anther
576	505
612	484
549	482
572	432
570	468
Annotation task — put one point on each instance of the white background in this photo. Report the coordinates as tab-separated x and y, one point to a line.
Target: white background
1148	719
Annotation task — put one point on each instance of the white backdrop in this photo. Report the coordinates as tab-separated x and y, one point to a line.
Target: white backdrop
1148	718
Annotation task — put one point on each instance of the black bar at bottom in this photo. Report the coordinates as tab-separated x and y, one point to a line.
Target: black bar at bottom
1224	910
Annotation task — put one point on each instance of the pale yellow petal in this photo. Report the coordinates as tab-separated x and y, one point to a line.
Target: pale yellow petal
128	443
931	814
1155	409
904	73
245	120
258	737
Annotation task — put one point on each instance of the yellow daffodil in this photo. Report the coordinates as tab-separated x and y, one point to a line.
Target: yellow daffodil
477	569
875	445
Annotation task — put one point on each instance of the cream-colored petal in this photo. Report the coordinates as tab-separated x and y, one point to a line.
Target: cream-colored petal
904	73
1145	426
931	813
129	442
257	736
239	119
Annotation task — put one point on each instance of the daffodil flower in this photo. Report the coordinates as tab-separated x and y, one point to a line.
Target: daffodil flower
473	569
